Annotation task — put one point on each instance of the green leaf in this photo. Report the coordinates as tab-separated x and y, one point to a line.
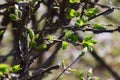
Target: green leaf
88	38
31	34
1	74
36	36
32	44
13	17
16	68
90	48
1	32
70	35
18	12
88	41
89	73
81	75
71	13
74	1
85	49
72	70
42	47
63	64
64	45
77	14
92	11
81	22
98	26
74	38
4	68
33	10
51	38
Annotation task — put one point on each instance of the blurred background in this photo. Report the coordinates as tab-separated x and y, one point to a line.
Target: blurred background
108	47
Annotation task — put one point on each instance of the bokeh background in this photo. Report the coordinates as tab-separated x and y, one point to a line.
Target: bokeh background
108	47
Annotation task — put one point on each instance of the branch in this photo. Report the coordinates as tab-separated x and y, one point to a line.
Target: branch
100	60
97	31
106	12
69	66
41	72
103	6
103	63
2	6
52	57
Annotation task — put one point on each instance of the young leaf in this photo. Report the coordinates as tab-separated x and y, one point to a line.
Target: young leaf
16	68
81	75
77	14
72	70
74	38
84	51
1	74
63	64
18	12
88	41
31	34
90	48
42	47
32	44
33	10
64	45
98	26
71	13
69	33
4	68
36	36
51	38
81	22
92	11
74	1
1	32
89	73
13	17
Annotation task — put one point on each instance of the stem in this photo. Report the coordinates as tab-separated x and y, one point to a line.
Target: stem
69	66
